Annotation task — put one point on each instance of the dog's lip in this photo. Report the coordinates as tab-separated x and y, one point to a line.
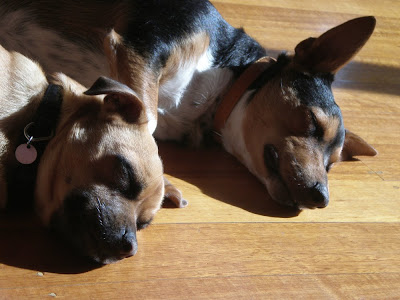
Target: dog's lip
109	260
286	199
289	199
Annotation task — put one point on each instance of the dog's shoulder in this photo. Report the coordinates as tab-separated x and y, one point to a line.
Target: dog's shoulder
156	27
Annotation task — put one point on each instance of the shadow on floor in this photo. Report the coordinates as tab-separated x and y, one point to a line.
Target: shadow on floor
26	244
220	176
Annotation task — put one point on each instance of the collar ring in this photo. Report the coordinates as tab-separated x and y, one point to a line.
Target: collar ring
32	139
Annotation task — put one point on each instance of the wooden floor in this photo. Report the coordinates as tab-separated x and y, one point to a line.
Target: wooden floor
232	242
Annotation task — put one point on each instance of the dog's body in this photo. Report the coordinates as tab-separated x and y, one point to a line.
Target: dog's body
99	176
181	57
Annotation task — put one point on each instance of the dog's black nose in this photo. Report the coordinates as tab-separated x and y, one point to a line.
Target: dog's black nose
319	195
128	244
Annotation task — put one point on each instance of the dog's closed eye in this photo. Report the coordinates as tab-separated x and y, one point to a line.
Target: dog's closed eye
143	224
124	178
118	174
316	129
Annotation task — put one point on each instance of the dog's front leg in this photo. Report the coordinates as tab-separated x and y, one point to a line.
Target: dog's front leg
173	194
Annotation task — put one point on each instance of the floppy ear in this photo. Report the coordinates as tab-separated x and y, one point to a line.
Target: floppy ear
355	146
334	48
119	99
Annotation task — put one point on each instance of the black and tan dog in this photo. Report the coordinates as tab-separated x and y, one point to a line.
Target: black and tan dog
90	160
198	74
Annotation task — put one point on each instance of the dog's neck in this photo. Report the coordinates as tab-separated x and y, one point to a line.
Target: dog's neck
237	90
36	135
213	92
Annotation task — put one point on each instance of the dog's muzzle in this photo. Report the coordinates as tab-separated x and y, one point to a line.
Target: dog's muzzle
297	192
96	230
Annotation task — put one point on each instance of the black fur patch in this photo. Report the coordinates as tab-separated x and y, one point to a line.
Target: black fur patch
271	72
315	90
157	25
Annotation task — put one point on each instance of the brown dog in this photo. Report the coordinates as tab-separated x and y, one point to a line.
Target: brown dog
199	75
91	161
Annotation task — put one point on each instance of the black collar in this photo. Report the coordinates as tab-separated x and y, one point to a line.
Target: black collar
21	179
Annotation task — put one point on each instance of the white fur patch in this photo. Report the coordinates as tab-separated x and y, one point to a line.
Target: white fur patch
171	92
232	134
179	111
205	62
152	124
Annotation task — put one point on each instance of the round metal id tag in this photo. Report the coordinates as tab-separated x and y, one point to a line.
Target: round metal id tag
25	154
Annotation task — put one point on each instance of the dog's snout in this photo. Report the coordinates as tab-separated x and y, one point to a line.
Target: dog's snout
128	245
316	196
320	195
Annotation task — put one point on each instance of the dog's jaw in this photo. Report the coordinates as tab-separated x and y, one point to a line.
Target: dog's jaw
233	140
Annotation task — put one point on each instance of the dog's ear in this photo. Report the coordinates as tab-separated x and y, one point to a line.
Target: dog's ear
116	55
130	68
334	48
119	99
355	146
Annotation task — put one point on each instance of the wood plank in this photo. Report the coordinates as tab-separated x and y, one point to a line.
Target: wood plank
369	286
386	8
211	250
351	201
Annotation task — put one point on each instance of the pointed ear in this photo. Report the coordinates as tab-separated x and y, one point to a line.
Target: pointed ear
111	45
119	99
334	48
355	146
132	69
125	65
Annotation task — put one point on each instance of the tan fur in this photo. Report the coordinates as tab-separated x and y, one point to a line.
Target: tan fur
190	49
137	76
329	125
84	117
301	159
81	154
265	116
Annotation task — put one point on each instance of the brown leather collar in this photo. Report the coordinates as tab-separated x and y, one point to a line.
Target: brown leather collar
235	93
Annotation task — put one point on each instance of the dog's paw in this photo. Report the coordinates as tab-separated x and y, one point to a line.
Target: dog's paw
173	194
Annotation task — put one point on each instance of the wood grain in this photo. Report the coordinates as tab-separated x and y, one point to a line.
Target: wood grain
223	249
232	241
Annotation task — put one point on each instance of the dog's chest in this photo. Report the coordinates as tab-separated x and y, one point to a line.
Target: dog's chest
187	100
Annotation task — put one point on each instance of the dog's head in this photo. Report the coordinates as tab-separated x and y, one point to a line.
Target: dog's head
291	129
100	178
